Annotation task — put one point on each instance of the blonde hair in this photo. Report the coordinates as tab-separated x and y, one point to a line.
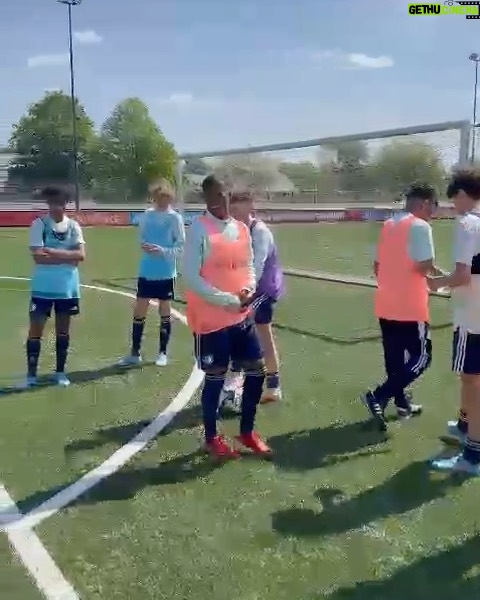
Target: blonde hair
162	186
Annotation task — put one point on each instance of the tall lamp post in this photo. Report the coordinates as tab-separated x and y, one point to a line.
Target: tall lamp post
69	4
475	58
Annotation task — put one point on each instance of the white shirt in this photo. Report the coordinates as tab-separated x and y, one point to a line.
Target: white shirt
466	299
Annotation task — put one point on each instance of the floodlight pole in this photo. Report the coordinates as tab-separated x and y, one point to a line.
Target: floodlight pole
475	58
76	182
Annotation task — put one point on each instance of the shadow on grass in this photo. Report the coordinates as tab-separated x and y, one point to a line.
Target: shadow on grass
314	448
128	285
189	418
440	576
406	490
120	434
126	483
76	378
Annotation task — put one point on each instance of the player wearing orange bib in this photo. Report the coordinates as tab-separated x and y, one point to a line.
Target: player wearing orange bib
220	281
405	255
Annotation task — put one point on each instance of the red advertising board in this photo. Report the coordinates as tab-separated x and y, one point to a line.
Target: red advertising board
101	218
85	218
104	218
17	218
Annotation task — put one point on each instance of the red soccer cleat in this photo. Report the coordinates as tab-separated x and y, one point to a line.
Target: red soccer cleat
254	443
219	449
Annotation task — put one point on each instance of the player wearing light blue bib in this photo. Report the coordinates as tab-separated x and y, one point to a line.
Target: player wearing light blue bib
162	236
57	246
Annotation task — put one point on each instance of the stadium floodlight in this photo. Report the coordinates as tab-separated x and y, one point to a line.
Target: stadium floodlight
69	4
475	58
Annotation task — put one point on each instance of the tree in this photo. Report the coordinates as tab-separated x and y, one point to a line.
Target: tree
351	165
129	153
400	163
42	141
303	175
253	170
196	166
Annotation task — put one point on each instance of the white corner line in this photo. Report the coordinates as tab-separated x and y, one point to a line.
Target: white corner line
118	459
27	546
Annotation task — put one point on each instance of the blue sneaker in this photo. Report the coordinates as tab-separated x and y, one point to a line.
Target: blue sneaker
129	361
457	464
454	434
61	379
375	410
29	382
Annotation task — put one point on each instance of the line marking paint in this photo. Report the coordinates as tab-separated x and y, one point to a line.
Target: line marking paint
119	458
27	546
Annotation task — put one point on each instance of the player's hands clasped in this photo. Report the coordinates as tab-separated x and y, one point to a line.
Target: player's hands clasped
245	296
152	248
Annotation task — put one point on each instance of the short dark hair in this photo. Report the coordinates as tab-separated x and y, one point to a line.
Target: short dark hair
209	182
466	180
421	191
55	193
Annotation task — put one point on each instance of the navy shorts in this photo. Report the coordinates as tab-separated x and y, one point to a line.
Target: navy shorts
466	352
263	309
42	307
156	289
235	344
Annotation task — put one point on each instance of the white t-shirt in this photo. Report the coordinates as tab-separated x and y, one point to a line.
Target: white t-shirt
466	299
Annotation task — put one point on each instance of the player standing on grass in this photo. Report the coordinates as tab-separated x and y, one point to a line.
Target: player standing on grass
464	190
162	235
405	256
57	246
220	281
269	288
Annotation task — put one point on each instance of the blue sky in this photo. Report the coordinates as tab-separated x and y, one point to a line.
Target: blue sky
219	73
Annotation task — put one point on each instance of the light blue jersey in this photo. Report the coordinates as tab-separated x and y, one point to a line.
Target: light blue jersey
162	228
55	281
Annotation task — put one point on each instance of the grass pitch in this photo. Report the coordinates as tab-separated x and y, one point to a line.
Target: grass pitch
341	514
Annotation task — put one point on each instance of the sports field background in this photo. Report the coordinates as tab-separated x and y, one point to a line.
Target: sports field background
341	514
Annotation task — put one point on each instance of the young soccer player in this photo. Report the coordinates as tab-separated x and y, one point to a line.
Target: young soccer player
269	288
405	255
57	247
162	236
464	282
219	278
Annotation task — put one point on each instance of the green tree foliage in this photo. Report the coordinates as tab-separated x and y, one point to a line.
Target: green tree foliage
42	140
196	166
129	153
352	166
400	163
256	171
303	175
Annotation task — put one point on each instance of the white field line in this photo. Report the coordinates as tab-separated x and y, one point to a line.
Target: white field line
119	458
32	553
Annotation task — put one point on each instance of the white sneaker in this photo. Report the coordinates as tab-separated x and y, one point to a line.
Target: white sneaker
129	361
61	379
161	360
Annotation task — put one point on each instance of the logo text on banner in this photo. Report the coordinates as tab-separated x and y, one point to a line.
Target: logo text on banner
471	10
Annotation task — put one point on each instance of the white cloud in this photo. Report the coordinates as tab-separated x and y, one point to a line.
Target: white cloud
179	99
47	60
354	60
87	37
363	61
187	100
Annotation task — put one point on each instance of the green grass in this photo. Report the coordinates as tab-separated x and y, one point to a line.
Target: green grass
341	513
